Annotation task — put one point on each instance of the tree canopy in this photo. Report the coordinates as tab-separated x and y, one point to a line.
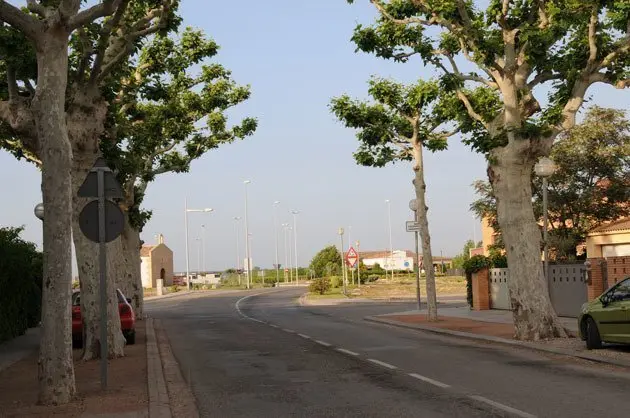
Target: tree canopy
326	262
591	184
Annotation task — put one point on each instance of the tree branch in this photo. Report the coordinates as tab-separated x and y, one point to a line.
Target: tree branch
542	78
36	8
25	23
406	21
102	9
103	41
592	37
471	111
12	83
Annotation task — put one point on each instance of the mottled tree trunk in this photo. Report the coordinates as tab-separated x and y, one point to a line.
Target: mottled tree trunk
510	175
87	261
56	370
131	280
421	217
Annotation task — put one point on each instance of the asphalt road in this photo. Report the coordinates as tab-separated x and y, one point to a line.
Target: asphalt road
248	355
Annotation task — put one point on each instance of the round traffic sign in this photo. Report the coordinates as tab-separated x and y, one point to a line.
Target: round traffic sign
114	221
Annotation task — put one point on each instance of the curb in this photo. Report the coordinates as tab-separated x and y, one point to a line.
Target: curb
183	404
168	295
498	340
159	403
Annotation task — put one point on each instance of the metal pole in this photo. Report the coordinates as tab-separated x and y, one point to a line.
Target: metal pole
102	258
297	274
286	253
247	255
417	270
275	238
391	247
198	256
545	221
343	267
238	250
358	265
187	252
203	247
289	229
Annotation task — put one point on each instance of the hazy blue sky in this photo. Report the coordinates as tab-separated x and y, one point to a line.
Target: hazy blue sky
296	55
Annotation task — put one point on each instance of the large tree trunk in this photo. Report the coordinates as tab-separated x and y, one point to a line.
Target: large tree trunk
131	280
510	175
87	262
421	217
56	370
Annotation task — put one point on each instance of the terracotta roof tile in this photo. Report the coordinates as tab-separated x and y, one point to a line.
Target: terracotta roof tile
145	251
618	225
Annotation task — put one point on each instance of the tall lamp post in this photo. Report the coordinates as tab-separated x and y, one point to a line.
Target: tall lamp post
391	247
275	238
247	249
238	252
297	275
286	251
544	168
343	263
186	211
358	263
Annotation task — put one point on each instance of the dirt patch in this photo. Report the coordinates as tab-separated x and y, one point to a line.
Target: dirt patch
406	288
459	324
127	390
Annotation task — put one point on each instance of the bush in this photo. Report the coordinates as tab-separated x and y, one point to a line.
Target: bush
336	282
21	274
320	285
174	289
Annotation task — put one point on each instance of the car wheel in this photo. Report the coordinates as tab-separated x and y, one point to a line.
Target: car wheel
593	339
130	336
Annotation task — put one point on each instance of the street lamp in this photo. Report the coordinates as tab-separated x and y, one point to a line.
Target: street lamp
39	211
340	231
391	247
247	247
285	227
275	238
186	210
358	244
238	252
297	275
544	168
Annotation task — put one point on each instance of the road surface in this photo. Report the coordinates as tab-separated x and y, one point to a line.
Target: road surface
261	355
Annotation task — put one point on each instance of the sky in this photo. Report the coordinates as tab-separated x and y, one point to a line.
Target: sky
296	55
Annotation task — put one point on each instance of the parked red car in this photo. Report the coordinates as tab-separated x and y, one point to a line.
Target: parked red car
127	317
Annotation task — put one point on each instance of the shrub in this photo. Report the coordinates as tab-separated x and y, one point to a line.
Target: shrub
336	282
320	285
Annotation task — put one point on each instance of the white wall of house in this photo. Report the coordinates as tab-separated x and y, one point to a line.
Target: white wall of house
399	261
145	272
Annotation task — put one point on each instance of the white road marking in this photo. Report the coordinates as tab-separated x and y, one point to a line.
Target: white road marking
274	325
429	380
288	330
304	336
502	407
343	350
382	363
324	343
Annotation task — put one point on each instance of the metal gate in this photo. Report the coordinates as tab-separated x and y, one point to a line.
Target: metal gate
499	293
567	288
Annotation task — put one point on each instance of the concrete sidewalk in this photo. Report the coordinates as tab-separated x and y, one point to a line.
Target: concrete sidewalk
169	295
494	315
18	348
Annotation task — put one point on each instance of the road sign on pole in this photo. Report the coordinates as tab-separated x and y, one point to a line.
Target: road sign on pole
412	226
101	221
352	257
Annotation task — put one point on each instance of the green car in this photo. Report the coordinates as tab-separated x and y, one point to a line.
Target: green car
607	318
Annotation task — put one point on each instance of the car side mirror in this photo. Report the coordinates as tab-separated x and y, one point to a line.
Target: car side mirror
128	300
604	300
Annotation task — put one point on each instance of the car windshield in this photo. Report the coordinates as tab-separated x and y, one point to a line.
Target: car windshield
621	291
76	298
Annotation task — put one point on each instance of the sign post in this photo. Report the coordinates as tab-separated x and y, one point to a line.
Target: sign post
414	226
101	221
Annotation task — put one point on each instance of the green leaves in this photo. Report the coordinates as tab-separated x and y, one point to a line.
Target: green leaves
172	111
399	118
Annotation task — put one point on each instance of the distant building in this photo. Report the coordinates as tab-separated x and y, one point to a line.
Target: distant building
609	240
399	260
156	263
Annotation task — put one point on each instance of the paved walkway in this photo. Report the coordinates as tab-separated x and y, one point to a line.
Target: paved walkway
497	316
16	349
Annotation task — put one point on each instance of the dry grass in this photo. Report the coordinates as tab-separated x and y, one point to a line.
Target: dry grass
406	287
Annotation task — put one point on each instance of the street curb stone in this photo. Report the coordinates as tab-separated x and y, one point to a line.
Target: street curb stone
498	340
182	401
169	295
159	404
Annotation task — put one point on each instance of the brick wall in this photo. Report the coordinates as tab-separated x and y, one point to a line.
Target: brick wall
614	268
481	290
